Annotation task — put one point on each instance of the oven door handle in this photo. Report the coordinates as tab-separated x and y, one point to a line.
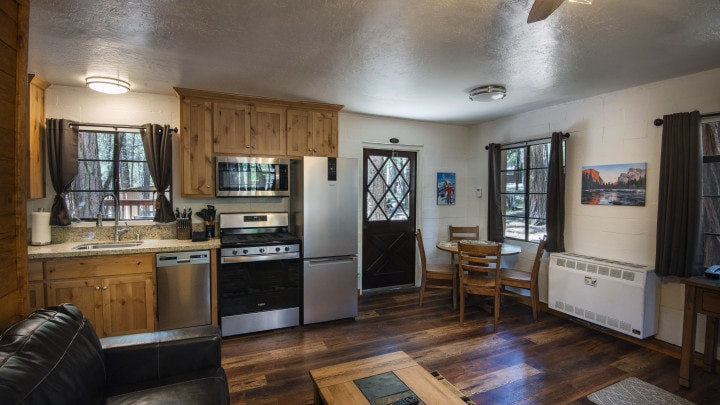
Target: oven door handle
258	258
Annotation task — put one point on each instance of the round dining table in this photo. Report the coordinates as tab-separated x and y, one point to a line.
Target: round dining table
506	249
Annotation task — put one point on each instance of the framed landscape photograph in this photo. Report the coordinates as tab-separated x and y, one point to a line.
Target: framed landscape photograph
446	188
618	184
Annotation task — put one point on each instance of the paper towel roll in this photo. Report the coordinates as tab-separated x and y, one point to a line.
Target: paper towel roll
40	224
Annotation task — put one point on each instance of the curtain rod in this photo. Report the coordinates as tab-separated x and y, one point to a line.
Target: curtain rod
658	121
565	136
89	124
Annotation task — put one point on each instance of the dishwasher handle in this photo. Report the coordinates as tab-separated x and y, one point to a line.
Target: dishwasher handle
182	258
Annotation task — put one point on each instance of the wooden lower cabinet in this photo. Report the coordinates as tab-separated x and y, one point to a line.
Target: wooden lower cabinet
115	293
36	287
84	294
36	296
125	305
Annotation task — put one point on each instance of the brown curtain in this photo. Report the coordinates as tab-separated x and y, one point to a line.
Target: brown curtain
496	230
157	142
679	250
555	215
62	141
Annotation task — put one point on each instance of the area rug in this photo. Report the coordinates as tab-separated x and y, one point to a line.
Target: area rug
633	391
452	388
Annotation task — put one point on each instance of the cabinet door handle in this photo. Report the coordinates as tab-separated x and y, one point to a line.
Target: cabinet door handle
104	287
97	288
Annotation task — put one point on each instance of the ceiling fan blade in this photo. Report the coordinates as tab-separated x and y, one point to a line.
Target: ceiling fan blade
542	9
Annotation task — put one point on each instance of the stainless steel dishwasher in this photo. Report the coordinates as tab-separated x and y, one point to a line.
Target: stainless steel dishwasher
183	289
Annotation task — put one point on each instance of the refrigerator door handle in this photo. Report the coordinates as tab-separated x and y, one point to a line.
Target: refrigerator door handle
330	259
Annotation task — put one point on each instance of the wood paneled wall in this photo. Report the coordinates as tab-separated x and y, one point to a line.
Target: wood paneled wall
13	158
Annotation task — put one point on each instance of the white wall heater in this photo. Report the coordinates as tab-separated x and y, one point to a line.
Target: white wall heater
612	294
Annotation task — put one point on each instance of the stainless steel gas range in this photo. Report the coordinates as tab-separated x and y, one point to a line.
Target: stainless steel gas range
259	276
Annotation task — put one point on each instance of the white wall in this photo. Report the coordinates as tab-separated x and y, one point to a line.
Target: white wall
612	128
440	148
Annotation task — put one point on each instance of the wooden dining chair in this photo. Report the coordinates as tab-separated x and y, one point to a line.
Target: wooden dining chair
441	275
526	282
479	269
458	233
464	232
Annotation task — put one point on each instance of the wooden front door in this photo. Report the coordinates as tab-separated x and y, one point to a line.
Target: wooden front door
388	255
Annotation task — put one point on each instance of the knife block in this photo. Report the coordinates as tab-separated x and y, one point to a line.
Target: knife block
184	228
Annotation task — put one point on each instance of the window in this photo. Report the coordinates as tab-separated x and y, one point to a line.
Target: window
111	162
711	191
388	188
523	178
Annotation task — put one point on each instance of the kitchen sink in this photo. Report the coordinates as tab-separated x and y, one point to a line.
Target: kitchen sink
107	245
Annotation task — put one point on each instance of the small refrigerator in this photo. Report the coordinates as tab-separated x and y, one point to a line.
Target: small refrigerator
324	214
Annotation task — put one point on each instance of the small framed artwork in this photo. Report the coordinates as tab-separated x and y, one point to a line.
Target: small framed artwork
620	184
446	188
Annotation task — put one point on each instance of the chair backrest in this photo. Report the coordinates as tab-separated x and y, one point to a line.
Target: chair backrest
421	247
464	232
479	258
538	259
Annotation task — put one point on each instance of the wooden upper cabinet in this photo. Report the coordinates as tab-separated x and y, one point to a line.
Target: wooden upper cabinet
36	136
299	133
248	129
228	124
196	135
312	133
325	133
231	128
267	133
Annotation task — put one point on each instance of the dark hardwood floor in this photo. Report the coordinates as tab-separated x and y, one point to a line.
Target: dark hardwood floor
551	361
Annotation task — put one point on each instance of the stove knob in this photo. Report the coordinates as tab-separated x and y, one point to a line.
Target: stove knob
234	252
245	251
287	248
277	249
262	250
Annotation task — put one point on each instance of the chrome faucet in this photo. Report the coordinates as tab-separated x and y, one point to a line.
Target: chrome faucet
118	231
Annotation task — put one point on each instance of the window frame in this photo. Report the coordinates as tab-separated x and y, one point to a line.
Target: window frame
526	170
115	188
708	237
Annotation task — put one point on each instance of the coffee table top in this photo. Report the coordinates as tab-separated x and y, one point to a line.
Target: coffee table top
336	383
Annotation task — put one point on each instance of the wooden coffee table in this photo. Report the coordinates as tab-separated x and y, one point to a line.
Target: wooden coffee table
336	384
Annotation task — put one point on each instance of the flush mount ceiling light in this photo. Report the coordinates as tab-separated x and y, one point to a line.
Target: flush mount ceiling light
107	85
487	93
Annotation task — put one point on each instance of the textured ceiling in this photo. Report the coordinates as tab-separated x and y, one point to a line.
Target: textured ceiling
414	59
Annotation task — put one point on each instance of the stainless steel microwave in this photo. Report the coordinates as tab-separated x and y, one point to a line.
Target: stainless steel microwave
251	177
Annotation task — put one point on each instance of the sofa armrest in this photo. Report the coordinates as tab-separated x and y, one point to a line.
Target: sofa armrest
145	357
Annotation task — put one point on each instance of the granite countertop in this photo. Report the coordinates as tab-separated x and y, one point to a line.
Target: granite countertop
59	250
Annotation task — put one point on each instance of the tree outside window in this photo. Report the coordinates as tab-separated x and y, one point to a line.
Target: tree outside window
111	162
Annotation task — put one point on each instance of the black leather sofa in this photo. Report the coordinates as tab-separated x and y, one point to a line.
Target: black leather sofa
55	357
